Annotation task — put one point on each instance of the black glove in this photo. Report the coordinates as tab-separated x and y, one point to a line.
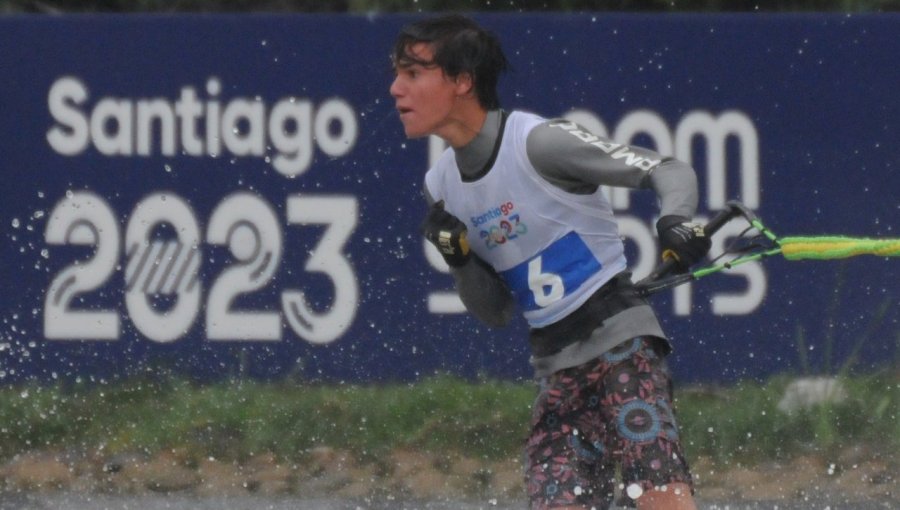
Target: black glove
682	240
448	234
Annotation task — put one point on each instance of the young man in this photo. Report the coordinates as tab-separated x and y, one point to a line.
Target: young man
517	213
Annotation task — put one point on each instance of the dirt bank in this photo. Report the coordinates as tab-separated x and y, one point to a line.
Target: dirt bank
854	474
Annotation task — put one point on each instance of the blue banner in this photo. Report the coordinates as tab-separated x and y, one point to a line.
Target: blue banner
229	196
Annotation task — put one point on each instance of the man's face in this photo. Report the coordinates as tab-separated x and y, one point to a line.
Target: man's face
424	95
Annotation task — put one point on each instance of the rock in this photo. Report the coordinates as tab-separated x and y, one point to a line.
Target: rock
808	392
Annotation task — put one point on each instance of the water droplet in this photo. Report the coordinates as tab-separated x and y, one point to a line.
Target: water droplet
634	491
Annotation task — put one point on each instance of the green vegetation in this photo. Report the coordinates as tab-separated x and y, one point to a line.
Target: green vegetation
743	423
488	419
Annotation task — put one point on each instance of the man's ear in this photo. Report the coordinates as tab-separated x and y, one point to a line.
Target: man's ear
464	84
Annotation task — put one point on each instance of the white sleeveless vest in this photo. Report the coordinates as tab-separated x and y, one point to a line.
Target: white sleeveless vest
553	248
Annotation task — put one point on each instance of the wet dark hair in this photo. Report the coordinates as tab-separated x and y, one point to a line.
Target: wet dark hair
460	46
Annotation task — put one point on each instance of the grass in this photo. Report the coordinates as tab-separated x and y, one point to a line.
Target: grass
743	422
487	419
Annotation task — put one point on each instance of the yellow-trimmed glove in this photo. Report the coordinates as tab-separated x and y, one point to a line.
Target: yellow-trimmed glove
682	240
448	234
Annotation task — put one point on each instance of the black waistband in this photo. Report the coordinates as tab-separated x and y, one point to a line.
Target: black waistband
613	297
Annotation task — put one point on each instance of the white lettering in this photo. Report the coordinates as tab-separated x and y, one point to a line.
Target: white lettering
739	303
112	113
716	131
631	159
635	123
147	112
588	120
289	125
72	137
584	136
567	126
606	146
339	114
189	110
158	265
238	112
646	122
194	126
213	131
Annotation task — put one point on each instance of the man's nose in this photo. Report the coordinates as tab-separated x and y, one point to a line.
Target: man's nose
395	87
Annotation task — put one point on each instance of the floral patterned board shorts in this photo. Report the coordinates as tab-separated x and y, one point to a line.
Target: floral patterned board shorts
613	413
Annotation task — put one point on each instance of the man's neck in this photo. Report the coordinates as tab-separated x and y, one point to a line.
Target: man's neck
472	157
463	124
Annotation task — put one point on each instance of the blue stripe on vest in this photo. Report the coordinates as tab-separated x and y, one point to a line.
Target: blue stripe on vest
553	273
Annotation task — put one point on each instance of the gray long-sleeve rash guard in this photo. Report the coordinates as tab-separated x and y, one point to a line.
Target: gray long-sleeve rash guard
566	155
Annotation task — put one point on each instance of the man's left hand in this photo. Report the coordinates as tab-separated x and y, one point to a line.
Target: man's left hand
682	240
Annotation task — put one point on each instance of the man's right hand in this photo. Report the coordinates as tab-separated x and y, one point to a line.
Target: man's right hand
448	234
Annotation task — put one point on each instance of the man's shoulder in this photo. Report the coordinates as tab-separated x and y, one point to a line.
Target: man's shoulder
525	118
550	136
441	168
447	159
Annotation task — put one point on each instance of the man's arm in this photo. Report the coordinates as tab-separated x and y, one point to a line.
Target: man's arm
482	291
573	159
